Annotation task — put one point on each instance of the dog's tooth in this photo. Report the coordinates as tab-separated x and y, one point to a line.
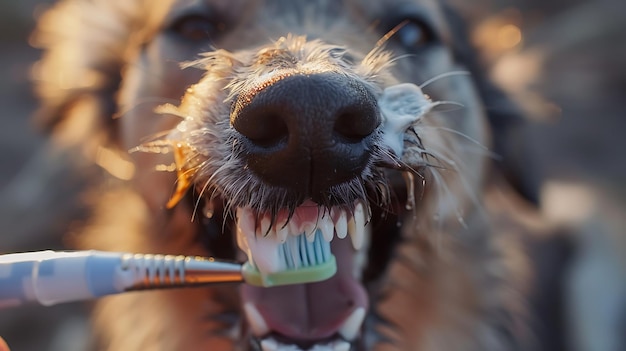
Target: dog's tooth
327	227
266	255
262	251
341	345
350	328
352	230
356	227
294	227
269	344
341	223
245	226
255	319
245	220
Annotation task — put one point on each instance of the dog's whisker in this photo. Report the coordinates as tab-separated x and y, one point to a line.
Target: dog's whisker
395	59
197	202
169	109
156	101
154	147
446	198
444	75
445	162
458	106
457	133
385	38
476	146
456	164
388	159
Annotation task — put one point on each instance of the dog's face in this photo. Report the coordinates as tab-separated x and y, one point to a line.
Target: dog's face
418	49
308	128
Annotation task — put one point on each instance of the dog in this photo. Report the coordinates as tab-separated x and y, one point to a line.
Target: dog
221	124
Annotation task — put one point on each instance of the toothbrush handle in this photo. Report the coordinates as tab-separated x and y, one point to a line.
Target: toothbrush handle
50	277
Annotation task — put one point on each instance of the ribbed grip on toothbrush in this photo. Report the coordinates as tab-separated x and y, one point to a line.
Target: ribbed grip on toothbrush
163	271
151	271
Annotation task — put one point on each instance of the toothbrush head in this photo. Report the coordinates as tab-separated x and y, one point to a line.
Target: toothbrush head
301	275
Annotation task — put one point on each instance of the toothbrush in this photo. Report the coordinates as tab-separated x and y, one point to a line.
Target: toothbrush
52	277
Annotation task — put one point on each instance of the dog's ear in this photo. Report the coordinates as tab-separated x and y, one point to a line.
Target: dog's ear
506	119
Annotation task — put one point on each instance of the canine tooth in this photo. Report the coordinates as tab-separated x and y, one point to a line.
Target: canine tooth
356	227
350	328
269	345
341	223
256	321
341	345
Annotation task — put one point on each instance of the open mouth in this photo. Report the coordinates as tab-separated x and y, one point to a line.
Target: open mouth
323	304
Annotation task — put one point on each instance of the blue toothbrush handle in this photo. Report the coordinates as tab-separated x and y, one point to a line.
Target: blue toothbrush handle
50	277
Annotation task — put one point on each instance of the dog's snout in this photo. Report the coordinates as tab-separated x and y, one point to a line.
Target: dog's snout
307	132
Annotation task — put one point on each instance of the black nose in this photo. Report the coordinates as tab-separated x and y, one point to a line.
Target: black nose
307	133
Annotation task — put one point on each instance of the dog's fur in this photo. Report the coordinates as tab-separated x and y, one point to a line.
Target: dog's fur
453	277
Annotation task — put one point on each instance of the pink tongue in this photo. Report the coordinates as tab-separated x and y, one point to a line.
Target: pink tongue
312	311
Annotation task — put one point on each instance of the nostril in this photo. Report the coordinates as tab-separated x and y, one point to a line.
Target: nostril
265	129
356	123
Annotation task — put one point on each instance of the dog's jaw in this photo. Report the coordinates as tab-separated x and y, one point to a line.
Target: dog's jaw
328	313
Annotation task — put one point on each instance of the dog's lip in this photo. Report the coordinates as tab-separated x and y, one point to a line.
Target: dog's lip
313	311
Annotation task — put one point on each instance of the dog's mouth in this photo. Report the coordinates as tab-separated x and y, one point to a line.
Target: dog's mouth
320	315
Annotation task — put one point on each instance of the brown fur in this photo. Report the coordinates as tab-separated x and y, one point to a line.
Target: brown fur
456	278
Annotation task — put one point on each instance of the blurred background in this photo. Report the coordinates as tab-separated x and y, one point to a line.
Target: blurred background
564	61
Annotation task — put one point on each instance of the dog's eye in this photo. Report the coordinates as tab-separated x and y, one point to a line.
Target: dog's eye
413	33
195	27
